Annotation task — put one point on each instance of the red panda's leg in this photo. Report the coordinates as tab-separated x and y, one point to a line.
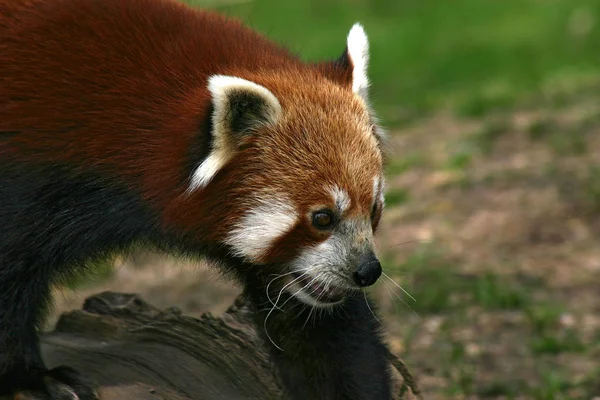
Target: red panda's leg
53	223
24	295
44	225
331	354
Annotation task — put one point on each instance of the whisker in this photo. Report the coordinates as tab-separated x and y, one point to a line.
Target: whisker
307	318
299	290
367	303
267	331
278	276
391	293
275	307
285	287
402	300
399	287
316	315
411	241
326	285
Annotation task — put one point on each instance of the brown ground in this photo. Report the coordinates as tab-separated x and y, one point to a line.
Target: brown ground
494	227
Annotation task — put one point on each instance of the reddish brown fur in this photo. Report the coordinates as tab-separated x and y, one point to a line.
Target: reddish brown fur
119	86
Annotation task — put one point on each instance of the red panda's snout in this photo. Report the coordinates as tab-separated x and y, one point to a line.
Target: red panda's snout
324	273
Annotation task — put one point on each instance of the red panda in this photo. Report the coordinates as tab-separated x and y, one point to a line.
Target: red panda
126	122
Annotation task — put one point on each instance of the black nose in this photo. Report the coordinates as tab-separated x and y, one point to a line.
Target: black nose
368	271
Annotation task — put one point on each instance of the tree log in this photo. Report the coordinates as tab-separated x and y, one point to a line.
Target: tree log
136	351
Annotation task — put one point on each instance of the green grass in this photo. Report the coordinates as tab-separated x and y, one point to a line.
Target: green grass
462	375
548	337
429	275
470	55
494	293
591	383
486	137
401	163
541	128
554	343
499	388
582	191
592	188
460	159
437	288
396	197
562	140
543	317
553	386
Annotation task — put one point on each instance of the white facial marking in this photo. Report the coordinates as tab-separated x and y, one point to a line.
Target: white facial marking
258	229
220	88
341	198
358	50
382	191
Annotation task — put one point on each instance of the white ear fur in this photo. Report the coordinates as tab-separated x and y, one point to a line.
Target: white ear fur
358	51
224	91
221	86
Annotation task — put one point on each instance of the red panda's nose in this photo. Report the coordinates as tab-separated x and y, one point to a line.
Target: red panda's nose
368	271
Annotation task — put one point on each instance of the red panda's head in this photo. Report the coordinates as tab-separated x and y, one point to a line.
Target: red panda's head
296	163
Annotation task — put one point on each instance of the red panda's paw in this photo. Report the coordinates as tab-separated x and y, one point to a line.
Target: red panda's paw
61	383
71	384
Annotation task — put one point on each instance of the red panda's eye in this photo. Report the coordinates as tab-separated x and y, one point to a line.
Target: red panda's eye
323	219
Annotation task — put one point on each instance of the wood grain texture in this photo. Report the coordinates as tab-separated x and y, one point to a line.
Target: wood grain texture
136	351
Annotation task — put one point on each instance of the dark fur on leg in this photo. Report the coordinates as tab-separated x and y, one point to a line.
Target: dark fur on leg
326	354
21	305
47	216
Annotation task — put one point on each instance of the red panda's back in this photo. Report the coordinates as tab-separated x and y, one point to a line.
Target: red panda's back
123	34
109	74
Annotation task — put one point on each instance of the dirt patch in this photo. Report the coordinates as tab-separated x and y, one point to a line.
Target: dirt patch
499	244
162	281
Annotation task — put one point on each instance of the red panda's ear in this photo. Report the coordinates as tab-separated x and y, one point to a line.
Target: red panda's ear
350	69
239	107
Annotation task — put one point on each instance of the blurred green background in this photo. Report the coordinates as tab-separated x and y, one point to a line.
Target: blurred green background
492	221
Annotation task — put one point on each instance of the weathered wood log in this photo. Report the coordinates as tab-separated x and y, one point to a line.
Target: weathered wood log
136	351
